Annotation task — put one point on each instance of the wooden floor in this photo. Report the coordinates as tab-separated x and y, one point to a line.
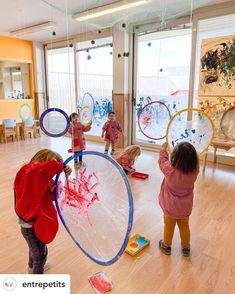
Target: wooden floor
210	269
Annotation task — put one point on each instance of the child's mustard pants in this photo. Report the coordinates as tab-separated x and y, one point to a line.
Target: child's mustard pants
169	227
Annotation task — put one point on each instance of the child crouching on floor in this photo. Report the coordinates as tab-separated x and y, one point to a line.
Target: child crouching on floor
127	158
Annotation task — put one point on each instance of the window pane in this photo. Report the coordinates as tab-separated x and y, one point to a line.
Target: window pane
163	72
95	75
61	79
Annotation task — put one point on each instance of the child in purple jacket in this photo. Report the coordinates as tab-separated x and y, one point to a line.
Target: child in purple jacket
176	194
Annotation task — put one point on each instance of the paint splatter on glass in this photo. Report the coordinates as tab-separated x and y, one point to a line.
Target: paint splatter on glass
173	102
153	120
192	127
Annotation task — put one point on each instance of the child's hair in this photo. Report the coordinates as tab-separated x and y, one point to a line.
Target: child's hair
133	150
73	115
46	155
111	112
184	158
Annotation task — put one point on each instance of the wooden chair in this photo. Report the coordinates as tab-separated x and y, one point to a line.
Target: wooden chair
1	134
9	129
28	128
37	128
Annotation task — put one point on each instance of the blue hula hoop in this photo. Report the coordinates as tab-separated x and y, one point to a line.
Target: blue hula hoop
131	208
60	111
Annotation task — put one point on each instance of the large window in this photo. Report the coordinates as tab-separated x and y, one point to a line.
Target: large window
163	68
60	71
95	76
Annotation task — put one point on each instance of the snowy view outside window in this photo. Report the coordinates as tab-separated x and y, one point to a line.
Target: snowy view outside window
60	72
94	75
162	73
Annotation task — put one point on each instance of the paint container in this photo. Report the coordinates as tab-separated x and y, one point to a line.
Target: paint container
100	282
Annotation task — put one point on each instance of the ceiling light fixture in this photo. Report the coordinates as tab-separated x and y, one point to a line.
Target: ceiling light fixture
108	9
35	28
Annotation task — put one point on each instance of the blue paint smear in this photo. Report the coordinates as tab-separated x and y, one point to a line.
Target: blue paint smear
141	242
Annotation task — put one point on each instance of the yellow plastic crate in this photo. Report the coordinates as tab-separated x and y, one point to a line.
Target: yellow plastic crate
136	244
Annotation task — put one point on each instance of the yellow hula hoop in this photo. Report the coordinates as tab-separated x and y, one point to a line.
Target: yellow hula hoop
81	113
191	109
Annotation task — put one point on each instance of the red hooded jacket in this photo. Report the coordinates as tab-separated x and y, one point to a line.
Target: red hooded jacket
34	199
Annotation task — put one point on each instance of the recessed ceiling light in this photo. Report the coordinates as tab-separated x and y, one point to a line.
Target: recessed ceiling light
108	9
33	29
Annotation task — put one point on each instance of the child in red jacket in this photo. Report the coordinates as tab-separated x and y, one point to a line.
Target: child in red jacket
77	130
33	187
110	132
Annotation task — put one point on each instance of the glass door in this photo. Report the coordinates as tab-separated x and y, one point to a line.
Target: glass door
95	76
163	69
61	79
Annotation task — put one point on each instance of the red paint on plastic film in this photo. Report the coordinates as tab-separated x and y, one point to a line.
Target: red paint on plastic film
100	284
79	193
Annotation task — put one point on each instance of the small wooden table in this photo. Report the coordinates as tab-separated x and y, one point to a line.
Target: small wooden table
216	143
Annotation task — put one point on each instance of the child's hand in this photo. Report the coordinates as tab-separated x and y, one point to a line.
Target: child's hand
52	188
67	170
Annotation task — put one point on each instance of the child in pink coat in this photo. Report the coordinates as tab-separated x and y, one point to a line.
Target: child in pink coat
176	194
76	130
127	158
110	132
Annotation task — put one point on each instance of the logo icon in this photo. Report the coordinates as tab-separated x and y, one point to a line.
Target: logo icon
9	284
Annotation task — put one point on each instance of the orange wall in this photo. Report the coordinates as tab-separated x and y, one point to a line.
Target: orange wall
20	51
10	108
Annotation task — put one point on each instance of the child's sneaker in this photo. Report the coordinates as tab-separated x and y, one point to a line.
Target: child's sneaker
112	152
77	165
186	252
106	152
166	250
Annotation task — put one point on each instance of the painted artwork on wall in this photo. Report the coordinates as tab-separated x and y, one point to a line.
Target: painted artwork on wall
217	67
215	107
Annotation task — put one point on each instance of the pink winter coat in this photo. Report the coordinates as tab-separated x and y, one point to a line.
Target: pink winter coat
125	160
112	129
78	139
176	194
